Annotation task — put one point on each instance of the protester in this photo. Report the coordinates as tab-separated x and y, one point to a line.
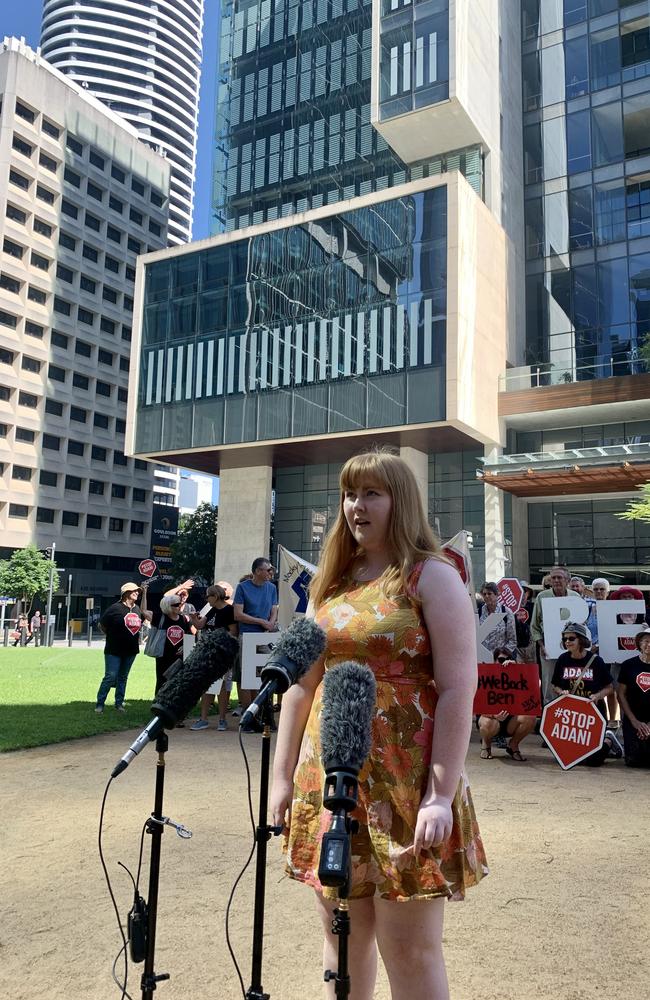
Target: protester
121	624
506	731
35	627
525	645
256	610
387	598
559	580
22	631
503	634
634	696
170	620
219	615
600	590
583	673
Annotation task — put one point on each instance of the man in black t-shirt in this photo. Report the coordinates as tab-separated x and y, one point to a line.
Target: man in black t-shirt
634	696
121	625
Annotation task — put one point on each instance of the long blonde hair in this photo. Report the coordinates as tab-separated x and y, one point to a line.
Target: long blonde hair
409	536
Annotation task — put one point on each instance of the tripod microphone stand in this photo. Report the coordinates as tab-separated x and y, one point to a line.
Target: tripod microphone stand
143	941
334	869
263	833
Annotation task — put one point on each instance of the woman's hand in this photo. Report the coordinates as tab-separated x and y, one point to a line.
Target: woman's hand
642	730
433	824
280	801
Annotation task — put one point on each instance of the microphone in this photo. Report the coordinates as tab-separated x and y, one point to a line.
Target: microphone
298	647
210	659
349	695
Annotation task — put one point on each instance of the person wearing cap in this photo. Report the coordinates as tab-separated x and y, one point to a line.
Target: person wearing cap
583	673
121	625
634	696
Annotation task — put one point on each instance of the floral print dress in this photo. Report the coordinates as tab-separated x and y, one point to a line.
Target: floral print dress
389	636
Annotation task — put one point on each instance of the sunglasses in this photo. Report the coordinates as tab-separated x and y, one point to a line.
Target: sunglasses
570	638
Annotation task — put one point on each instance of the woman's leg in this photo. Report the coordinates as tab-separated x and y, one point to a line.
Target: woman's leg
409	936
362	947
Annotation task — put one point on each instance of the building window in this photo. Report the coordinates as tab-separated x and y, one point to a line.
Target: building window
67	208
137	186
129	273
115	204
94	522
6	319
96	487
124	364
157	199
122	395
85	316
114	234
98	454
97	160
64	273
50	129
133	245
74	145
101	420
67	241
82	348
21	146
61	306
139	464
105	357
53	407
27	399
36	295
109	294
79	415
47	162
126	333
5	393
4	430
45	514
111	264
51	442
139	496
6	357
103	388
137	527
42	263
118	492
45	194
21	472
19	180
13	249
42	228
55	373
94	191
70	518
16	214
73	483
120	426
33	329
30	364
128	303
115	524
118	174
18	510
135	216
47	478
154	228
24	112
9	284
107	326
93	222
22	434
79	381
90	253
87	284
76	448
119	458
59	340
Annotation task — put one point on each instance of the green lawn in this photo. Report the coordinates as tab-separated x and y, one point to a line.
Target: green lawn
48	695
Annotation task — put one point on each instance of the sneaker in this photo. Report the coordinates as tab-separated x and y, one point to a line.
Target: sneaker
199	724
120	708
222	726
614	744
99	709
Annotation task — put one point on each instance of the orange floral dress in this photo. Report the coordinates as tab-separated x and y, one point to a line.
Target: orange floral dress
389	635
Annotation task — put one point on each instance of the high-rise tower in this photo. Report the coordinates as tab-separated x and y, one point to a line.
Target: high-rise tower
142	58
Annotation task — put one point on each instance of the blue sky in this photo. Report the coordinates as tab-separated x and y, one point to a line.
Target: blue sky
24	18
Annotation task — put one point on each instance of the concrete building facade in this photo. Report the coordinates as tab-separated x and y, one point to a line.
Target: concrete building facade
382	270
142	58
80	198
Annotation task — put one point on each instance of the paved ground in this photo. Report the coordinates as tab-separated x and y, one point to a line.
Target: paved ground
564	914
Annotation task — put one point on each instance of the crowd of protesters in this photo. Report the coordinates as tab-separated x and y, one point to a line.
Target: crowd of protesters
621	691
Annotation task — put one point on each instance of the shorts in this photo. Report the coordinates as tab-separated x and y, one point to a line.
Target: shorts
227	680
615	670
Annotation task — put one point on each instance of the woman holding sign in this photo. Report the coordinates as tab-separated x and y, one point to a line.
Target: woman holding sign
387	598
175	625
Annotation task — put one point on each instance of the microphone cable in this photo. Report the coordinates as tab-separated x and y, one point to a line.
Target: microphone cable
249	796
125	995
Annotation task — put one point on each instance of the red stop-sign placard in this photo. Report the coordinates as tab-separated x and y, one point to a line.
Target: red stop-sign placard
147	567
511	593
573	728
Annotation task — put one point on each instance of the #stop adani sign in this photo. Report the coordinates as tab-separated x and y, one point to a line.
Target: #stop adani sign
573	728
511	593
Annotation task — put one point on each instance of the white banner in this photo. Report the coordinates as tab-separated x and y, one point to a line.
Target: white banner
577	610
294	578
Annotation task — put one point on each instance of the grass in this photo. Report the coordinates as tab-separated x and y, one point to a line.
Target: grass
47	695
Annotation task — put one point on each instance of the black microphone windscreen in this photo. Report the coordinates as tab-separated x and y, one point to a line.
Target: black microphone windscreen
301	644
349	695
212	657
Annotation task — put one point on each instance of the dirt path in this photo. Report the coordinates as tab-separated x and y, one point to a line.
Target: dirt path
563	916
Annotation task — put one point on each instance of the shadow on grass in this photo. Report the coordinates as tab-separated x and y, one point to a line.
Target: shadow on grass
23	726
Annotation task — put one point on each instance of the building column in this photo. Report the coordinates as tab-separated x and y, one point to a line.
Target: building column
243	527
418	463
494	534
520	559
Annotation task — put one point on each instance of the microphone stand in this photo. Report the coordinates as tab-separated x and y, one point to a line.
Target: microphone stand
335	866
155	827
263	833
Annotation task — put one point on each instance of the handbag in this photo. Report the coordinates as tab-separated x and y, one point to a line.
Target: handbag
155	644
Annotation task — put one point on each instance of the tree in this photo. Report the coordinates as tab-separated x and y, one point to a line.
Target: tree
193	549
26	576
638	510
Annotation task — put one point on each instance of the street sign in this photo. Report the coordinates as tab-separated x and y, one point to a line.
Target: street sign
511	593
573	728
147	568
7	600
90	603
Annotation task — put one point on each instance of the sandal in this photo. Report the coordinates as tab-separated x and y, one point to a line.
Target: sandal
486	753
515	754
